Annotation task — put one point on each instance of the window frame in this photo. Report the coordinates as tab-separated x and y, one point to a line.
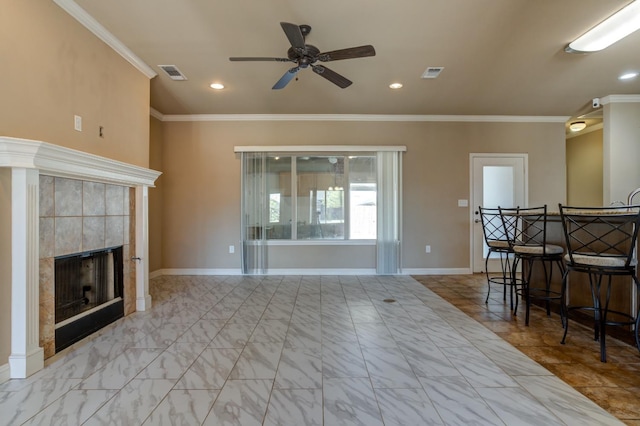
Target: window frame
295	151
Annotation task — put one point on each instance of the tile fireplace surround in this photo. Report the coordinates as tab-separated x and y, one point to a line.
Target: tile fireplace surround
44	219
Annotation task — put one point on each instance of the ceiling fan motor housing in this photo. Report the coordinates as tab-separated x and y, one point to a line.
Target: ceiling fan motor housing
304	58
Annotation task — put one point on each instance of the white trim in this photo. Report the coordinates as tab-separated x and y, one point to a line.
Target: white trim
319	148
141	259
312	271
4	373
620	99
196	271
366	117
156	114
81	15
436	271
54	160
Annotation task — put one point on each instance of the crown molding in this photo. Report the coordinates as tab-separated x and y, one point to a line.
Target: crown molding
59	161
365	117
80	15
620	99
156	114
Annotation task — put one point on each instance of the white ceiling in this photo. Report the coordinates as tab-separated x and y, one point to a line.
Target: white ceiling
500	57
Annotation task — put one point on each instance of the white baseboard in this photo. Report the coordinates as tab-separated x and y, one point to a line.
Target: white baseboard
5	373
436	271
194	271
311	271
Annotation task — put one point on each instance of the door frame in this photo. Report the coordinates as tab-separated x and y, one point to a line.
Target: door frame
474	204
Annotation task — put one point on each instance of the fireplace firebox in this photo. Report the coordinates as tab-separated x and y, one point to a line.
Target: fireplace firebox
88	294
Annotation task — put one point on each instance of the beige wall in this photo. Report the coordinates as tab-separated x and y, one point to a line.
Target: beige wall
52	69
201	182
156	199
584	169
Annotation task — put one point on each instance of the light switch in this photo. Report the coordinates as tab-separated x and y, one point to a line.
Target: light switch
463	203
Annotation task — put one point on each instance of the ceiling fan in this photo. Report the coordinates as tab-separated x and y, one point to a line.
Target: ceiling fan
305	55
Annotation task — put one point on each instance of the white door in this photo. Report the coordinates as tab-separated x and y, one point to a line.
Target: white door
496	180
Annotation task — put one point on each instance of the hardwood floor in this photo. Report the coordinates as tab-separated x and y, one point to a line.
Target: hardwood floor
614	385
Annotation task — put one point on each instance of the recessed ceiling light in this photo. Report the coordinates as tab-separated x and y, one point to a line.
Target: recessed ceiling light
217	86
396	85
628	76
576	126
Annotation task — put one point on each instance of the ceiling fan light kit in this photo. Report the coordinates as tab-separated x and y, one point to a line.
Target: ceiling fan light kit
614	28
306	55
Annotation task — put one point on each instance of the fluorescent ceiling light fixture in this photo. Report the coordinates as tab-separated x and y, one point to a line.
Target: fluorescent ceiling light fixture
614	28
396	85
628	75
217	86
576	126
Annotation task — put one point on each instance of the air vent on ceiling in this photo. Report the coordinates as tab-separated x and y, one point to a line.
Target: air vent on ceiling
173	72
432	72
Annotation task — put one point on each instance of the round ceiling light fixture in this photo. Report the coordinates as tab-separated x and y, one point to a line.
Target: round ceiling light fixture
576	126
217	86
396	85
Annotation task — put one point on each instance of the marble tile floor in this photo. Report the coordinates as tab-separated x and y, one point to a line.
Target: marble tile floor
614	385
297	350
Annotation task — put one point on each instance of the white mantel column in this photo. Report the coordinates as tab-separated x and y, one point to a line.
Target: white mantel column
26	356
143	298
621	147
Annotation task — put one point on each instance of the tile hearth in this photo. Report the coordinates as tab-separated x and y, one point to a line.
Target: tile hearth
293	351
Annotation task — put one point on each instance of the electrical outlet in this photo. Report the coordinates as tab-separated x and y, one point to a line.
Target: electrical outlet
77	123
427	249
232	249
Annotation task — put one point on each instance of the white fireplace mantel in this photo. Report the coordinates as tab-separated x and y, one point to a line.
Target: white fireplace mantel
54	160
27	159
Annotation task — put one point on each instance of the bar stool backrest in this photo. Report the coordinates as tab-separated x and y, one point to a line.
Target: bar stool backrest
493	228
527	226
601	237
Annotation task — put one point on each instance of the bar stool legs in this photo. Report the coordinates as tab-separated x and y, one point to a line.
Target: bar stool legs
504	279
601	313
545	293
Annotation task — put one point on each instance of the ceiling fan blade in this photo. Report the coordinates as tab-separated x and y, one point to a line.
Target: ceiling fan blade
293	33
239	59
286	78
350	53
332	76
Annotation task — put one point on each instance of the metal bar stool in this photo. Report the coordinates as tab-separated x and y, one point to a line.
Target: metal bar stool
601	242
529	229
497	242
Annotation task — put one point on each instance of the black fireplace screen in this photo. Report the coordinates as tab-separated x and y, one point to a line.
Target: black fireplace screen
87	280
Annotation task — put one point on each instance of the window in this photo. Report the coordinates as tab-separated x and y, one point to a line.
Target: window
317	196
334	199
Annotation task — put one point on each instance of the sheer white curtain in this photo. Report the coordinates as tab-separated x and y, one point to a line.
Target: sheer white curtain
388	252
254	213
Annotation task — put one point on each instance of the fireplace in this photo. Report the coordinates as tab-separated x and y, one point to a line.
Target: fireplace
56	201
88	293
